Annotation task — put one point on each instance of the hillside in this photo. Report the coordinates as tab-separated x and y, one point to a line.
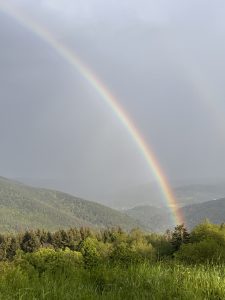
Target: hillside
151	195
213	210
198	193
23	207
146	215
159	220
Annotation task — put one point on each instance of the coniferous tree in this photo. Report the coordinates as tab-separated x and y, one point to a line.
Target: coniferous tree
180	236
57	240
13	246
3	247
30	242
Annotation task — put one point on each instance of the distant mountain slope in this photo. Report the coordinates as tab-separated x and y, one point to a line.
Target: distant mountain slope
146	214
151	194
28	207
197	193
213	210
159	220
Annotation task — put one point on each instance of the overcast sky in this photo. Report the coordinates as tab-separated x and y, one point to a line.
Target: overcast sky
163	60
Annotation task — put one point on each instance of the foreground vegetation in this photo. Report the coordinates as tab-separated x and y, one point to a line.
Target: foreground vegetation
113	264
26	280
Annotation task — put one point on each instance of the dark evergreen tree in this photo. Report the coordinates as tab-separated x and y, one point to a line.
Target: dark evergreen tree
13	246
180	236
85	232
3	247
49	239
30	242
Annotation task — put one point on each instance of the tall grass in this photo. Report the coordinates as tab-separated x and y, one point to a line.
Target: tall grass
143	281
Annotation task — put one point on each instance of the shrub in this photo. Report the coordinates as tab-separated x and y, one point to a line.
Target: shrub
206	251
89	250
51	260
135	252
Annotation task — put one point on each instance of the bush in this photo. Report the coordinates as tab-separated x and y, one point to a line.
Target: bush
51	260
206	251
89	249
135	252
207	245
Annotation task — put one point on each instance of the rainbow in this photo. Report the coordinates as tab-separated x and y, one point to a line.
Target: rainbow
71	58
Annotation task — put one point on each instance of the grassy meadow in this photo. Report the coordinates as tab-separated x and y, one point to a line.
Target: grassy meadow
141	281
114	264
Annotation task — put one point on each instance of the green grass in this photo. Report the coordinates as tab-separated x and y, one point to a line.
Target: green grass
144	281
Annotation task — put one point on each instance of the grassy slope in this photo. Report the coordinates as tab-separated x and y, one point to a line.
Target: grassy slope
27	207
156	282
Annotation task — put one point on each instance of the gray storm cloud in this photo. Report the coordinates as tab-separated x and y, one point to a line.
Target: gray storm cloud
163	61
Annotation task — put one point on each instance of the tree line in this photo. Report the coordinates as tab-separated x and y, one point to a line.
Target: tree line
204	243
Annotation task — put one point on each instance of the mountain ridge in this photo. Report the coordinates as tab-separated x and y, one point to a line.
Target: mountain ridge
23	207
159	220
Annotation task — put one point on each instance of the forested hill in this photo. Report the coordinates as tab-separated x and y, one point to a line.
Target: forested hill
25	207
213	210
159	219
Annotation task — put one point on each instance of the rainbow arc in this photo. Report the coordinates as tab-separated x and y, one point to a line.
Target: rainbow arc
73	60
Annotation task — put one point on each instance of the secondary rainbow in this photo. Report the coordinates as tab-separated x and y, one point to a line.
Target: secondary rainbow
71	58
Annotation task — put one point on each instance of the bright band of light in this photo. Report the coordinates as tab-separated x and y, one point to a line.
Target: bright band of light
71	58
